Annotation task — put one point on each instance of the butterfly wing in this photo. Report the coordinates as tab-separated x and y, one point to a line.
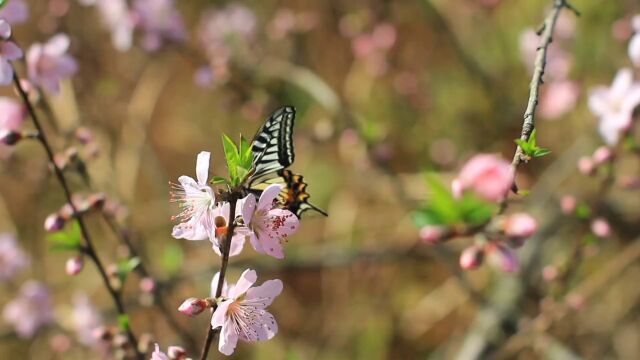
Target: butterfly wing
272	146
294	196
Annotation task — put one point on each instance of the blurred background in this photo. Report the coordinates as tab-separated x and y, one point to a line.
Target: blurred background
384	91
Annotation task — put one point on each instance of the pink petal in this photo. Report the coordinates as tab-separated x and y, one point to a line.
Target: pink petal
189	185
248	207
220	315
621	83
5	29
271	246
57	45
634	49
228	339
257	246
65	66
202	167
598	100
10	51
247	279
268	195
264	328
631	99
6	72
266	292
284	222
15	12
237	244
214	285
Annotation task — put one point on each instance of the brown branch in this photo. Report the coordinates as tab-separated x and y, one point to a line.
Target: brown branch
88	248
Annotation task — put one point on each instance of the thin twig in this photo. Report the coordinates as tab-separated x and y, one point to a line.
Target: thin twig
226	247
528	124
89	249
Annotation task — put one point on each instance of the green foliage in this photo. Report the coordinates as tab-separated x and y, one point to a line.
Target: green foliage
443	209
239	160
125	267
123	322
531	148
583	211
69	240
3	3
172	258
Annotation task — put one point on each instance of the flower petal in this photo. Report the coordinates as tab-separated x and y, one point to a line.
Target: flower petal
57	45
264	328
634	49
255	242
283	222
621	83
214	285
247	207
202	167
6	72
5	29
268	195
265	292
599	100
220	315
271	245
237	244
228	338
10	51
247	279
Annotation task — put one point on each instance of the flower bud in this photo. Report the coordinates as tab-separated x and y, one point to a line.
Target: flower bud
54	222
471	257
585	165
432	234
147	285
503	258
96	201
600	227
84	135
602	155
520	225
102	333
193	306
10	137
568	204
176	352
74	265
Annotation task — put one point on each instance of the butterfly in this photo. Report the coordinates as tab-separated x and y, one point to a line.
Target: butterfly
272	149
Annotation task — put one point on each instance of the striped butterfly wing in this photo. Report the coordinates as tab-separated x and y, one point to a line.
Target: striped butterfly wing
272	146
294	196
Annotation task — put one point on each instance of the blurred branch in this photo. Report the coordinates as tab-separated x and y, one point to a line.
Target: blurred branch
89	248
528	124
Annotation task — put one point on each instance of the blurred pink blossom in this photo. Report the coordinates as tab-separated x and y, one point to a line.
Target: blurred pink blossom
602	155
12	258
242	312
286	21
49	63
568	204
160	20
614	105
502	257
559	61
15	12
270	226
29	311
9	51
558	98
74	265
488	175
372	48
586	165
119	19
550	272
12	113
432	234
472	257
600	227
520	225
634	43
159	355
86	319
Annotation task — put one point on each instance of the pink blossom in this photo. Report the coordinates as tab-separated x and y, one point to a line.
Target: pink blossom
12	258
270	226
159	355
15	12
432	234
472	257
220	216
614	105
196	200
634	43
502	257
586	165
559	61
160	20
241	311
31	310
193	306
602	155
12	113
600	227
9	51
86	319
549	272
74	265
559	97
520	225
568	204
118	18
488	175
49	63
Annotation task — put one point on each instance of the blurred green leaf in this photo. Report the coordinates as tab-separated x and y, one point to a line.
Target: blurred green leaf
123	322
583	211
69	240
442	205
475	211
172	258
218	180
2	3
125	267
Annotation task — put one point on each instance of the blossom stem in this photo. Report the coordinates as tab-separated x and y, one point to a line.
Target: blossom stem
233	197
88	244
528	124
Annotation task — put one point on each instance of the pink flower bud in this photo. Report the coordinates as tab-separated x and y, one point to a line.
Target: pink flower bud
456	188
54	222
432	234
471	257
602	155
600	227
176	352
575	301
568	204
193	306
10	137
520	225
96	201
84	135
503	258
549	273
74	265
488	175
585	165
147	285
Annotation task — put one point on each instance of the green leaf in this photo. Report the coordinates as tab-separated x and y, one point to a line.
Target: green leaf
69	240
530	147
583	211
442	205
246	155
475	211
539	152
232	157
127	266
123	322
63	247
3	3
218	180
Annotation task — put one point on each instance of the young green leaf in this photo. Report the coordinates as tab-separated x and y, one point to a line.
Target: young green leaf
217	180
2	3
442	205
127	266
530	147
70	240
123	322
246	155
232	157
